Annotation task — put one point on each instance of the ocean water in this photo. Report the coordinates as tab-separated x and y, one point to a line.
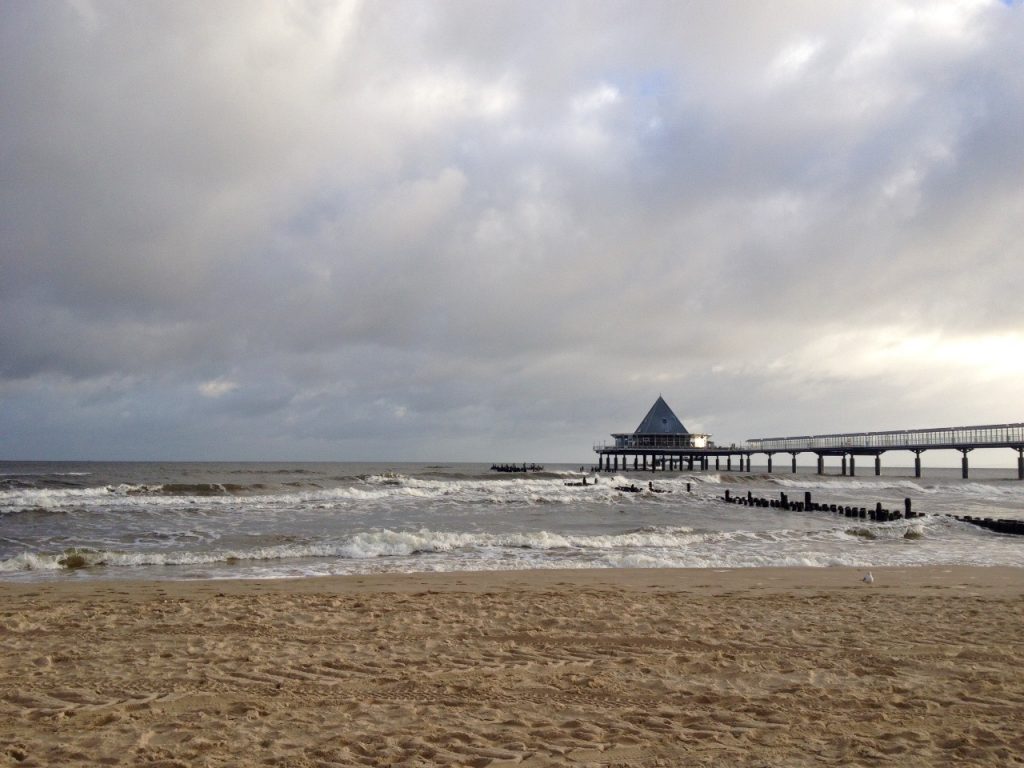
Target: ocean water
274	520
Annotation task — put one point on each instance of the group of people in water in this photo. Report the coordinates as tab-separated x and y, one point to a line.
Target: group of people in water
631	488
517	468
634	488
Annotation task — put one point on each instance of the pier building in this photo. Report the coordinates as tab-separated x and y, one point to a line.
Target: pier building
662	442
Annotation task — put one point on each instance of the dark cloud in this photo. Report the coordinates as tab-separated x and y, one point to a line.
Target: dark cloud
394	230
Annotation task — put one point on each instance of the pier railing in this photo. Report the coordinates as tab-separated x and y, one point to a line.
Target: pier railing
991	436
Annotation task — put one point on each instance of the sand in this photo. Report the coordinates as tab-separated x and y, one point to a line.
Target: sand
753	667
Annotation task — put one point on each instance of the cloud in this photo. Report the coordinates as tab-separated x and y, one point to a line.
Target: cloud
217	387
451	231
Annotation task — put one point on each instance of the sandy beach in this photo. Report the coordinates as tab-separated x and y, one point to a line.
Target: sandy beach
749	667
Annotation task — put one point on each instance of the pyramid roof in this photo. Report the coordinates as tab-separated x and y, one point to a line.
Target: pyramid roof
661	421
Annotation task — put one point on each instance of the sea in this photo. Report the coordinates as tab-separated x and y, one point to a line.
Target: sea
137	520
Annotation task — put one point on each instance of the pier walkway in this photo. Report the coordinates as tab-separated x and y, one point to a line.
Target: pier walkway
848	445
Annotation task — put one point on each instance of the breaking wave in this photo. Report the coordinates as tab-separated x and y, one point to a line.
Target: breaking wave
361	546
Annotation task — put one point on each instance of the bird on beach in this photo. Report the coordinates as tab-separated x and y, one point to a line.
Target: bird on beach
868	578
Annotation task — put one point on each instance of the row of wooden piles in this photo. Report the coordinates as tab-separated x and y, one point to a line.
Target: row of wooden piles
878	513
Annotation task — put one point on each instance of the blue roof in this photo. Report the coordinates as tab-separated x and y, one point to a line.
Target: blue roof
661	421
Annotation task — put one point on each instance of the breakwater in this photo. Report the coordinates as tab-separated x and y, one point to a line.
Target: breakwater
878	513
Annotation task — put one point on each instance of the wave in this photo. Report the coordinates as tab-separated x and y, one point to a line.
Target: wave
931	540
360	546
663	543
198	489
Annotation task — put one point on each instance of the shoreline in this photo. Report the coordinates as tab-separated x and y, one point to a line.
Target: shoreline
736	667
711	580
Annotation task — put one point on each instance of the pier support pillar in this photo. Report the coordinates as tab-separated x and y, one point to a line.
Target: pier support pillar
878	464
794	463
689	463
821	464
717	459
635	462
616	462
963	462
1020	463
704	463
769	463
917	463
645	462
844	465
728	463
853	465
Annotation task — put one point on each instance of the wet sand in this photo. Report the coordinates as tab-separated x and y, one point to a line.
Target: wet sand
752	667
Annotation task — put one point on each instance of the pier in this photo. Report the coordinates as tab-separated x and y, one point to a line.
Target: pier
661	442
871	445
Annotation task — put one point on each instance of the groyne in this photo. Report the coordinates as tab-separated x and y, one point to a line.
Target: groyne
877	513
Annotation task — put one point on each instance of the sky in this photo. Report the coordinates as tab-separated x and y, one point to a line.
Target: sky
499	231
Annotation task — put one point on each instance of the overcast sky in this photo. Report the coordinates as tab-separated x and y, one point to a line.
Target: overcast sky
497	231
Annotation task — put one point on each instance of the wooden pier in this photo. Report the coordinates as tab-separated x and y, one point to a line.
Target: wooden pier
662	443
